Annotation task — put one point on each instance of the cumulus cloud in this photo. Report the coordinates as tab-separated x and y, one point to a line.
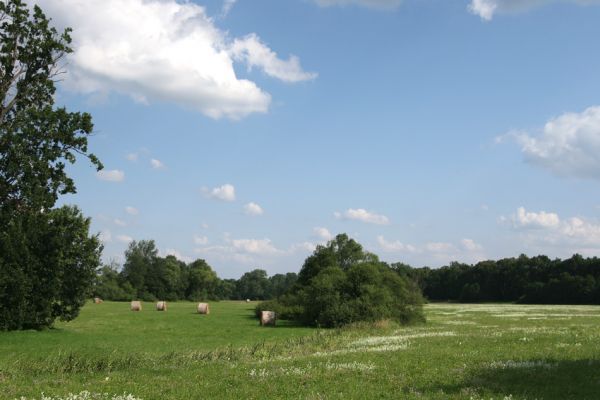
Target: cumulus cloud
574	234
322	233
549	229
131	210
253	209
377	4
124	238
156	164
119	222
303	247
466	250
568	145
178	255
535	220
245	251
223	193
360	214
486	9
395	246
173	52
255	246
470	245
113	175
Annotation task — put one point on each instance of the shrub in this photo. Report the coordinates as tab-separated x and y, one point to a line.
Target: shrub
341	284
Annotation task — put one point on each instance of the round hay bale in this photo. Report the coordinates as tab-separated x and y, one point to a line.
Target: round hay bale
203	308
136	305
161	306
97	300
247	300
267	318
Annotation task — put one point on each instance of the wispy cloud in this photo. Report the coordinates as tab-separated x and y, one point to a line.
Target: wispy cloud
360	214
113	175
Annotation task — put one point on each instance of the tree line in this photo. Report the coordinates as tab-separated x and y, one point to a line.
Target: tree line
523	279
147	276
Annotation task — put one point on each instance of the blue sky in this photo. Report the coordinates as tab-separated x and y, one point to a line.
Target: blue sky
246	132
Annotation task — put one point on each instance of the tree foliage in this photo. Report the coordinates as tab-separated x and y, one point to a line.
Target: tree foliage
340	283
537	280
47	260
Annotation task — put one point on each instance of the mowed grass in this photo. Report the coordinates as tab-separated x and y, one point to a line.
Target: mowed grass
462	352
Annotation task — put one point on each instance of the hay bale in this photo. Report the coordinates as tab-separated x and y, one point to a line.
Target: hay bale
203	308
97	300
136	305
247	300
161	306
267	318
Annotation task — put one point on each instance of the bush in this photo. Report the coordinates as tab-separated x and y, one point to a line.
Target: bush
341	284
283	311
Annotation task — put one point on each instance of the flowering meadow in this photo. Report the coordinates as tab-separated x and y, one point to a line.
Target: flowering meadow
478	351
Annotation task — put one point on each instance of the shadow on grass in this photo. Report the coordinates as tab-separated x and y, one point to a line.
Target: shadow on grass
533	379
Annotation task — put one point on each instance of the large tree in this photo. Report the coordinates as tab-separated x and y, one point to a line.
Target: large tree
48	258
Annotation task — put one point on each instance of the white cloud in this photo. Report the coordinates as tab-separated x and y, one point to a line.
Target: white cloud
395	246
105	236
200	240
255	246
569	145
156	164
322	233
549	228
132	157
303	247
360	214
119	222
441	252
113	175
439	247
177	255
245	251
539	220
253	209
124	238
131	210
223	193
470	245
486	9
227	6
256	54
165	50
377	4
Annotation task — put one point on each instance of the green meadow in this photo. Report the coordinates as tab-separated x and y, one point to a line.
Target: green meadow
491	351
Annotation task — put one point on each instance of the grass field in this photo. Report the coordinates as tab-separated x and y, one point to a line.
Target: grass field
463	352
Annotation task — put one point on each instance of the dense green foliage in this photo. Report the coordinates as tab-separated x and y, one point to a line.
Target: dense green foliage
47	259
536	280
147	276
340	283
476	352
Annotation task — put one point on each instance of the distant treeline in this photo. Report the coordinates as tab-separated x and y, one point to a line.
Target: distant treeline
533	280
148	277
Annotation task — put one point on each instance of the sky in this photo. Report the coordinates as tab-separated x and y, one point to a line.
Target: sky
246	132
